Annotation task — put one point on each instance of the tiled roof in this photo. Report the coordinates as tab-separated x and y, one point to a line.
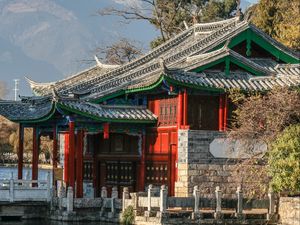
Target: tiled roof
109	112
238	80
19	110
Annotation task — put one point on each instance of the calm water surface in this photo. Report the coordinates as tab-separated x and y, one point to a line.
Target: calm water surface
5	173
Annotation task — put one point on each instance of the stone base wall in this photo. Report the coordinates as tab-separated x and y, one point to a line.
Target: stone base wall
197	166
289	210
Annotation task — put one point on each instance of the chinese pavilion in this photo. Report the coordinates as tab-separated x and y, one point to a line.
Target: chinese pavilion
117	125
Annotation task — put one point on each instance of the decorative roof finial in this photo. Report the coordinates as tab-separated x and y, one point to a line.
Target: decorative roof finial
162	65
98	61
185	25
54	93
238	8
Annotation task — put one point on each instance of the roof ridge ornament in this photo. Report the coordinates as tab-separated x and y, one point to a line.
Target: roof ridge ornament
185	25
238	9
106	66
55	95
163	65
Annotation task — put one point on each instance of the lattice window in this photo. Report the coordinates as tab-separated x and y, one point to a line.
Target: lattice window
88	170
119	172
157	173
168	111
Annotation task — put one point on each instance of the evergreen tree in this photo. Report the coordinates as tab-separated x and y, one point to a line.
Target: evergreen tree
279	19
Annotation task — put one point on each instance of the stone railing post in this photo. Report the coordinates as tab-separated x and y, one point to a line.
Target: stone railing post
70	196
11	187
61	195
112	210
218	212
114	192
148	212
48	187
27	178
239	208
162	201
125	196
271	210
196	194
135	201
103	192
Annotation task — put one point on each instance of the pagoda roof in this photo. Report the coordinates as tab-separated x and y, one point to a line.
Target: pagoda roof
190	49
39	109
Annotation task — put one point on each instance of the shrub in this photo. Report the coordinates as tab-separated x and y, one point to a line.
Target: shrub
128	216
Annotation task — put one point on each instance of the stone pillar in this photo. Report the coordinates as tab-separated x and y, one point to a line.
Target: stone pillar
72	154
271	210
196	194
124	196
103	192
61	194
20	152
48	187
162	201
35	155
148	212
239	208
11	187
70	196
218	212
114	192
27	178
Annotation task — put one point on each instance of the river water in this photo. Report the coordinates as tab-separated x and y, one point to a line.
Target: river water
5	173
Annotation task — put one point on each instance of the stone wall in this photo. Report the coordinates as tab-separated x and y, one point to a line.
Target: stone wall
197	166
289	210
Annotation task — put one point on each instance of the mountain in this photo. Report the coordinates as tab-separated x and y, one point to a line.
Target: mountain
42	35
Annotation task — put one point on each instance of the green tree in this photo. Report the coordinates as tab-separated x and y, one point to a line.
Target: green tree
279	19
284	161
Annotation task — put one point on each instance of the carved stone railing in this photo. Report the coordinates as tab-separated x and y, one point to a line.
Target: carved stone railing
25	190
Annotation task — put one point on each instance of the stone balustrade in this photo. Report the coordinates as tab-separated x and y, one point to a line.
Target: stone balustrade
25	190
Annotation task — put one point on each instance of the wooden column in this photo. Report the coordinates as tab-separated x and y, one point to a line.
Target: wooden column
79	164
141	168
54	147
35	153
221	112
179	110
185	109
66	159
225	112
72	154
20	152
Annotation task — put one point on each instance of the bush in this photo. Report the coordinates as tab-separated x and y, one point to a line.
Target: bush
284	161
128	216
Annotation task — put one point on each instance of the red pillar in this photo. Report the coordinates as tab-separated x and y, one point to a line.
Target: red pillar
179	110
221	113
20	152
79	165
66	159
54	147
185	109
72	154
35	154
225	111
141	167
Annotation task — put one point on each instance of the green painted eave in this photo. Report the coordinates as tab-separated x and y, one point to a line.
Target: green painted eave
263	43
129	91
101	119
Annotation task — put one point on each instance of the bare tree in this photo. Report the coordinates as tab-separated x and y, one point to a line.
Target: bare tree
120	52
168	15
